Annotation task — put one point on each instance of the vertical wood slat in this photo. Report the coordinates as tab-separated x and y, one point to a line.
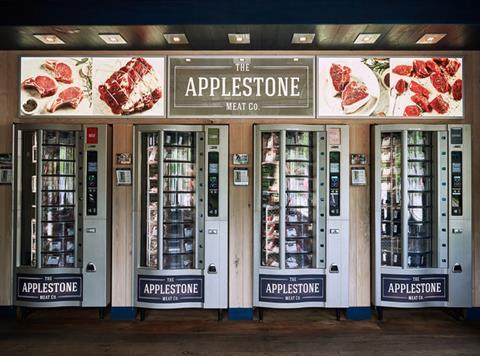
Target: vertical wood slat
122	262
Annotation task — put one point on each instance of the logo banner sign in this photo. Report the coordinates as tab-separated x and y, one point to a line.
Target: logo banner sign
170	289
292	289
412	289
242	86
49	287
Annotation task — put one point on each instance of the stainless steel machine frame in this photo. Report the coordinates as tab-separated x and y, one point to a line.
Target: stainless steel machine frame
330	265
92	228
209	267
450	268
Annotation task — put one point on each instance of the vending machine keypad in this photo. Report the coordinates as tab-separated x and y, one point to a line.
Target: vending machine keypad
92	170
334	178
213	183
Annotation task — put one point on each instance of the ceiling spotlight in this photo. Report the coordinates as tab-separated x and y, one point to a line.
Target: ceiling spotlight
302	38
367	38
239	38
176	38
112	38
431	38
188	60
49	38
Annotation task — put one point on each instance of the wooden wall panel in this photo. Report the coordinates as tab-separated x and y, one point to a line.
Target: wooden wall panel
121	222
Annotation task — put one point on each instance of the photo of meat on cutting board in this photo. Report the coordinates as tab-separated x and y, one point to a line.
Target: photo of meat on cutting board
352	86
56	86
129	86
430	86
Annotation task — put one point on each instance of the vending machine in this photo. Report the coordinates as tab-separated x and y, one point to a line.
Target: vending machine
422	219
181	217
61	217
301	216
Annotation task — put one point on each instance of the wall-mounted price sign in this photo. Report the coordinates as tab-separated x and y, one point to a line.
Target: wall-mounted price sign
225	86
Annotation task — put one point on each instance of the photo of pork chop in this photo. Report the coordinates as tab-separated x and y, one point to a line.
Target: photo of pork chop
44	84
60	70
71	97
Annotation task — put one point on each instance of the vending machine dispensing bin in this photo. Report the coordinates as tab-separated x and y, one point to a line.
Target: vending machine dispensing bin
61	216
301	216
422	224
181	217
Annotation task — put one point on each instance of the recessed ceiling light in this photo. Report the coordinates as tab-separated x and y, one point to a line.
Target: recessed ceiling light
112	38
300	38
295	59
49	38
239	38
176	38
431	38
367	38
188	60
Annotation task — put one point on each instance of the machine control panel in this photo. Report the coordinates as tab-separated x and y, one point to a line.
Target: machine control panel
92	178
213	183
334	183
456	189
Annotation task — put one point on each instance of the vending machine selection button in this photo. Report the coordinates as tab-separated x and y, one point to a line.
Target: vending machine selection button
212	231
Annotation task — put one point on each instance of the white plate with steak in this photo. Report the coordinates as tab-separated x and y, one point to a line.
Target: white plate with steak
346	87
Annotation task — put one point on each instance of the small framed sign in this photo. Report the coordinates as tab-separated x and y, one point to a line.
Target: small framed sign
5	168
240	159
124	176
240	176
124	158
359	176
358	158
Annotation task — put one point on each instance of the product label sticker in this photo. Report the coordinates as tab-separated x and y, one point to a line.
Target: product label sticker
292	289
412	289
49	287
170	289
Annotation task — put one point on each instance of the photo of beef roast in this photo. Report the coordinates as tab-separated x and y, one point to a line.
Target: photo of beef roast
61	71
440	82
71	96
135	87
457	90
45	85
419	89
422	101
401	87
412	110
403	70
340	76
452	67
420	68
354	96
439	105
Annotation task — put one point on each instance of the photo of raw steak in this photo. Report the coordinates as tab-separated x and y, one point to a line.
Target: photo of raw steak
420	68
419	89
441	61
457	90
134	87
432	66
422	101
401	87
61	71
452	67
354	96
439	105
71	96
403	70
45	85
340	76
412	110
440	82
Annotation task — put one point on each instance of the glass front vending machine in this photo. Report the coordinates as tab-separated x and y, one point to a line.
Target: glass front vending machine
181	217
61	216
423	241
301	216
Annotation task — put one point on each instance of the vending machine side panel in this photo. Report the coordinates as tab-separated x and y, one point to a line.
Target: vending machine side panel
96	241
460	230
337	233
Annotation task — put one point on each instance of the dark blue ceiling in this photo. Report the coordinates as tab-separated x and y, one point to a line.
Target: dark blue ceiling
168	12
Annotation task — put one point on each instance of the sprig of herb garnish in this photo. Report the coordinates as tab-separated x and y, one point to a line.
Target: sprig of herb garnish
378	65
